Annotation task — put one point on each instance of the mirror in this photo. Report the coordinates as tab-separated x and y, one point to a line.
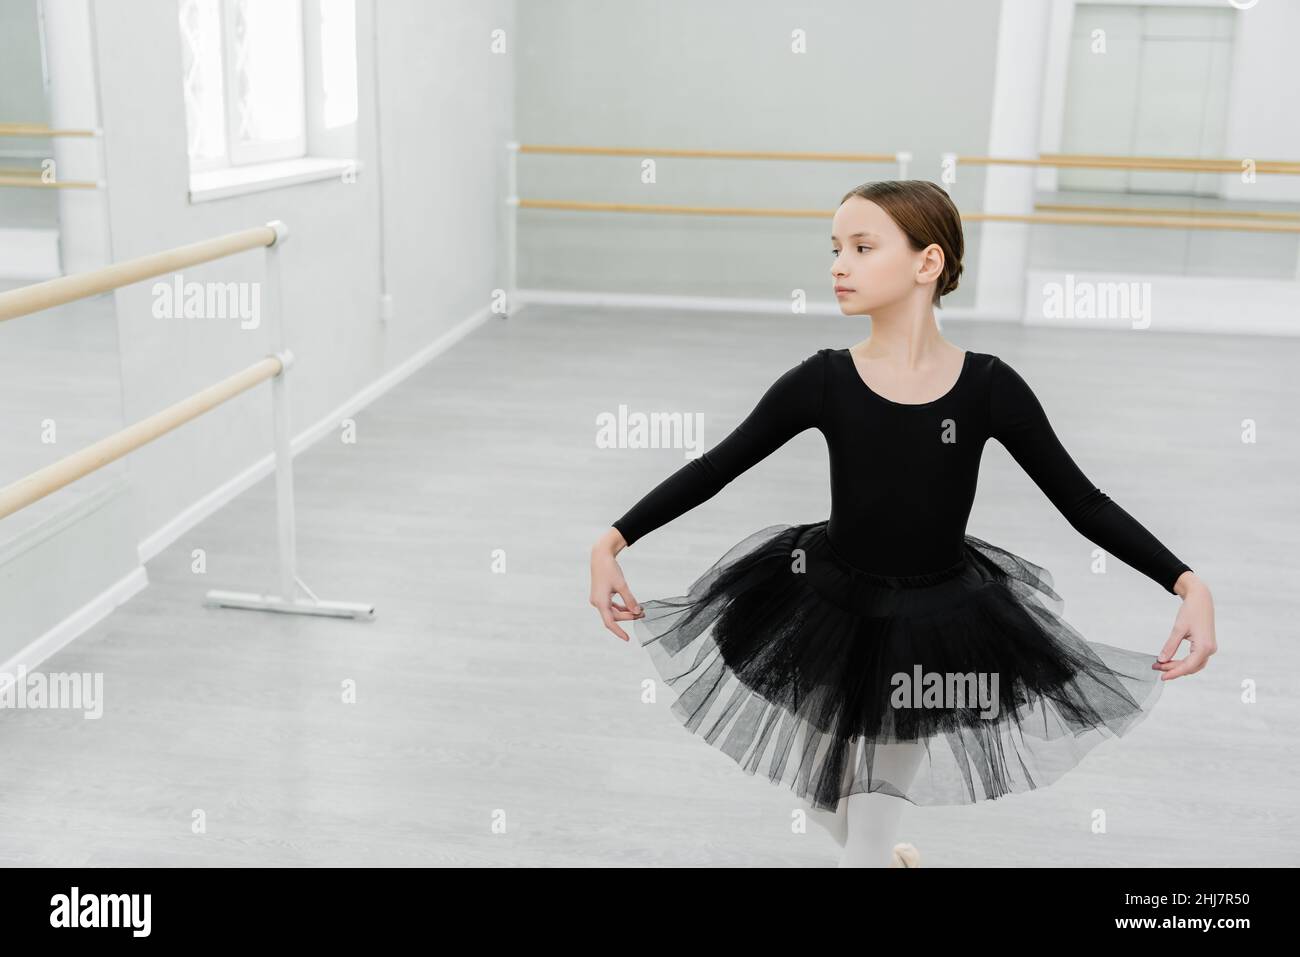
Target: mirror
60	371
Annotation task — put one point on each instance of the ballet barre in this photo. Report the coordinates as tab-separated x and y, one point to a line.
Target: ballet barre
1171	211
514	203
32	182
294	597
21	179
1253	221
40	131
1077	219
712	154
1173	164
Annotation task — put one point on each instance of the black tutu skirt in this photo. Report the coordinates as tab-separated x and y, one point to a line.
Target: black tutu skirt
809	671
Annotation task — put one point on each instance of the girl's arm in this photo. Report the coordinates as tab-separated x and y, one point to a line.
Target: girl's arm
791	404
1020	424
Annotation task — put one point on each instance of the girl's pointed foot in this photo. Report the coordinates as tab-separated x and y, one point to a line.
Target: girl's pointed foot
906	855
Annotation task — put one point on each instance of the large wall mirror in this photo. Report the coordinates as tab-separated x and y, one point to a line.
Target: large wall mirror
60	375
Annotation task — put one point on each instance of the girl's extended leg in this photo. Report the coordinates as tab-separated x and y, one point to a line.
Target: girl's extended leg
873	818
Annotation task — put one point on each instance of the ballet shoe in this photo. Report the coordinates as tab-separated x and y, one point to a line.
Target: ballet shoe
906	855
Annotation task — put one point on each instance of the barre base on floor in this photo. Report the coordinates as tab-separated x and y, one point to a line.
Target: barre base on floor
295	606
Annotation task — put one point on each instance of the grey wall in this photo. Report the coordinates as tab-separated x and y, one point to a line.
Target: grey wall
721	74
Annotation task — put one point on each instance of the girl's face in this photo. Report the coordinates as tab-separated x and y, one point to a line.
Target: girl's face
874	261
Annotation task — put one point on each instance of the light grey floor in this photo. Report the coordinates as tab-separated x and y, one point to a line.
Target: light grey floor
487	697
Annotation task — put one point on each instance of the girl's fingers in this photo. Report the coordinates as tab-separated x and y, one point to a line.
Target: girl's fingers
626	594
630	614
1175	639
1189	665
606	613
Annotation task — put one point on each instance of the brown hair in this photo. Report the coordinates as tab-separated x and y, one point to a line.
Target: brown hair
925	213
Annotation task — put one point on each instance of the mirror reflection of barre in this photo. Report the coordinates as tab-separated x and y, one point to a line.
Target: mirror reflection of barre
1141	217
24	177
1074	215
293	596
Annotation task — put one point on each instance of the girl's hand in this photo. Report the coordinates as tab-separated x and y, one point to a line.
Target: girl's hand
1195	624
606	579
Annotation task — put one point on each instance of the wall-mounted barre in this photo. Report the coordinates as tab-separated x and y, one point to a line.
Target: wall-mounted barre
709	154
1071	160
31	182
514	203
40	131
1171	211
294	596
1170	164
1076	219
1152	218
21	179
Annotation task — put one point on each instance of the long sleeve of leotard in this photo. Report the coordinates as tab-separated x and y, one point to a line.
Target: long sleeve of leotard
791	404
1020	424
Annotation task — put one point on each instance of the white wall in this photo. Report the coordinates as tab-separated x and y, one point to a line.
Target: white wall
1263	96
878	76
447	105
1264	109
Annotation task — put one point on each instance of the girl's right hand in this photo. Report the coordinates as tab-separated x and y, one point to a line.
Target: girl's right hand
607	579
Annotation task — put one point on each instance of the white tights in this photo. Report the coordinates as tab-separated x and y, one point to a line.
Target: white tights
872	819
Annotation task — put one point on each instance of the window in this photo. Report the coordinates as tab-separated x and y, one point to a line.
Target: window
242	62
338	40
270	90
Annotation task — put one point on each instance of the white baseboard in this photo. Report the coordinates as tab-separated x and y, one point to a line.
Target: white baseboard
173	529
84	618
1205	304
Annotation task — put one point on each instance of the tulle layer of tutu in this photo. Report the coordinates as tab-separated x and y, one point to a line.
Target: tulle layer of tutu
813	673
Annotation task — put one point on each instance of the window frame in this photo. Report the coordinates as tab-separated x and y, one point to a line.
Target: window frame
242	154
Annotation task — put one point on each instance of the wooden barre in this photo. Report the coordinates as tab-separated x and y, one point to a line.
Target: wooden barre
55	476
708	154
1152	222
667	208
1066	161
31	182
1103	219
56	292
1170	211
39	130
1189	160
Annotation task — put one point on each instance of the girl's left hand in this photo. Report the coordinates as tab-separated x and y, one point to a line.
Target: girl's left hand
1195	624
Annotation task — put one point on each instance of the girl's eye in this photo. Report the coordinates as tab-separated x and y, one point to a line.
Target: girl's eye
836	252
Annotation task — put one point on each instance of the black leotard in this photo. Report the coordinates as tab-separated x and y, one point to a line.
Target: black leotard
903	475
